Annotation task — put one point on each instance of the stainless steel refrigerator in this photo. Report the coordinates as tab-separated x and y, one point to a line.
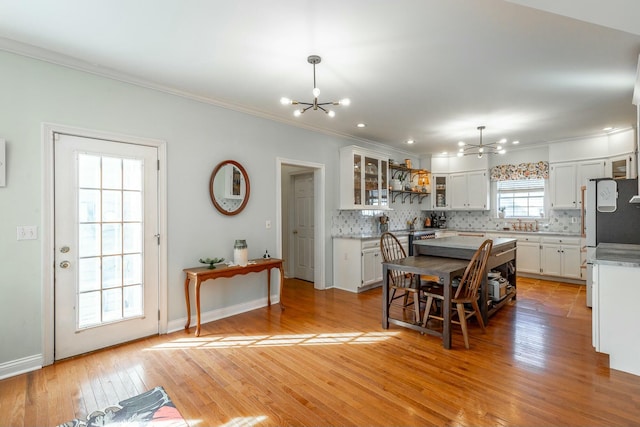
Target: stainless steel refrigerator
609	217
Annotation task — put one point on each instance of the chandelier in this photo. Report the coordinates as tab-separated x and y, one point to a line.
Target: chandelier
314	59
481	149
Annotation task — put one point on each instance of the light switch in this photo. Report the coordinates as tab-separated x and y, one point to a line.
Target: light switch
27	232
268	224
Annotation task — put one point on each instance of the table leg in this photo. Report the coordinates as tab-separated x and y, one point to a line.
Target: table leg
385	296
281	268
198	306
269	287
186	297
446	309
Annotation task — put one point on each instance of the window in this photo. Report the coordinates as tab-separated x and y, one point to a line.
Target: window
521	197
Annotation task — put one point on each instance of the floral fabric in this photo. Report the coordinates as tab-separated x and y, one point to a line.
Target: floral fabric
539	170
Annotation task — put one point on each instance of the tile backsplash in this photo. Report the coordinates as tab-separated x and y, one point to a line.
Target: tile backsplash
366	222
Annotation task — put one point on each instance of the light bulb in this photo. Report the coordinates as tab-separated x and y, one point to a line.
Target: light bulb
297	113
331	113
502	151
498	147
316	92
461	144
480	155
346	102
461	150
285	101
481	150
460	154
516	142
502	141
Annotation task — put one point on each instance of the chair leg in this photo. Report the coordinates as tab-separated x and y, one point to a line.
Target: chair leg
463	324
416	304
427	311
476	309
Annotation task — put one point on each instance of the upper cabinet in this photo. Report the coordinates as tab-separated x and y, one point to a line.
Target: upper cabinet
363	179
566	180
469	190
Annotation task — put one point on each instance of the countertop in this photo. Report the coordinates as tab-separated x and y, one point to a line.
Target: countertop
617	254
405	232
463	242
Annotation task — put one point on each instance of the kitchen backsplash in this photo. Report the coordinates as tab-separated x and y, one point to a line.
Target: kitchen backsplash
366	222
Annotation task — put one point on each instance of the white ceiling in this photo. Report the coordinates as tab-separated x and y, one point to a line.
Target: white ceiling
429	70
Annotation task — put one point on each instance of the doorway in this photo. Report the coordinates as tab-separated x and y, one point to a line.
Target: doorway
301	219
106	208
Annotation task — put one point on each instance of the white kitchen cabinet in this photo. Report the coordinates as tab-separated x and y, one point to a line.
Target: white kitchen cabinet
621	167
439	192
528	253
614	315
357	264
566	179
562	183
560	256
364	180
469	190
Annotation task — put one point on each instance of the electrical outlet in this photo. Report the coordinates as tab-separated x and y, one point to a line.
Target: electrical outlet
27	232
574	220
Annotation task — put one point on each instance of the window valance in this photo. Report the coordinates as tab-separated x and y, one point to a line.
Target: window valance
538	170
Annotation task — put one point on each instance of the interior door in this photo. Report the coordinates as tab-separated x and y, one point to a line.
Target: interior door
303	228
106	246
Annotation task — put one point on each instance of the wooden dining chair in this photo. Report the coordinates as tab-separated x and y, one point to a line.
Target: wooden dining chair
401	283
465	294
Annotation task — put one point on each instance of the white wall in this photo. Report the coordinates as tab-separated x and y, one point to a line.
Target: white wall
198	136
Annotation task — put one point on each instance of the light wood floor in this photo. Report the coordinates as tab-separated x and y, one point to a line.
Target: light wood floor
327	361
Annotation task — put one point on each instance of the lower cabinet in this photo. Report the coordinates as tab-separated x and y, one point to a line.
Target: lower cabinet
561	257
357	263
528	254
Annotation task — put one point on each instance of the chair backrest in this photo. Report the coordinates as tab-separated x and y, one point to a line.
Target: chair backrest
391	250
473	274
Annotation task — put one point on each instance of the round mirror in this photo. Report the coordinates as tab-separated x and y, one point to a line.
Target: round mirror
229	187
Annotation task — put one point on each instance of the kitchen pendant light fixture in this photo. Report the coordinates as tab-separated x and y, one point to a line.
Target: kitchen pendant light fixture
481	149
313	60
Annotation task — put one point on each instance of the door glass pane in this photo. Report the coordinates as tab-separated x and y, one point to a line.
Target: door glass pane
133	301
111	271
131	174
88	309
88	240
111	173
111	239
88	171
132	237
89	274
89	205
357	179
112	305
132	269
111	205
132	206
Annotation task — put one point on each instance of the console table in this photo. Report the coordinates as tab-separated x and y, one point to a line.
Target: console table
202	274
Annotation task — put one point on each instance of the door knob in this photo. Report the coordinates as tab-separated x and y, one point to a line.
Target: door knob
65	264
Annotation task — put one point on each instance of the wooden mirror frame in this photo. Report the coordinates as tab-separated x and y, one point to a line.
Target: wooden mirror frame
245	176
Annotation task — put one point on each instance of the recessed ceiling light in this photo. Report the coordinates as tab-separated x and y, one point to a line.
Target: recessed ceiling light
410	141
361	125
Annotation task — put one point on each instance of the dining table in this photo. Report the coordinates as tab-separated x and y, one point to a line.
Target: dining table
446	269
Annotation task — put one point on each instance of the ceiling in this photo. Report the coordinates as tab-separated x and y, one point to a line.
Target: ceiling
427	70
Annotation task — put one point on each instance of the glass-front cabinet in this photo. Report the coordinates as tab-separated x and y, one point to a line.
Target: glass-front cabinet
440	198
363	179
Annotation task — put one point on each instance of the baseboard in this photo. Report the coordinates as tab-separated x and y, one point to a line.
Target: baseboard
552	278
20	366
221	313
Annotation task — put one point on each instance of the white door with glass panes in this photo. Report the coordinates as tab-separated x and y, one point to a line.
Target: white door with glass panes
106	243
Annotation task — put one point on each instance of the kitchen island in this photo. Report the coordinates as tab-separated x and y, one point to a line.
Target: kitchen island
616	293
502	259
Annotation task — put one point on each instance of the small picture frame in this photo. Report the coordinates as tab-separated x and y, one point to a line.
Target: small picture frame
234	183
